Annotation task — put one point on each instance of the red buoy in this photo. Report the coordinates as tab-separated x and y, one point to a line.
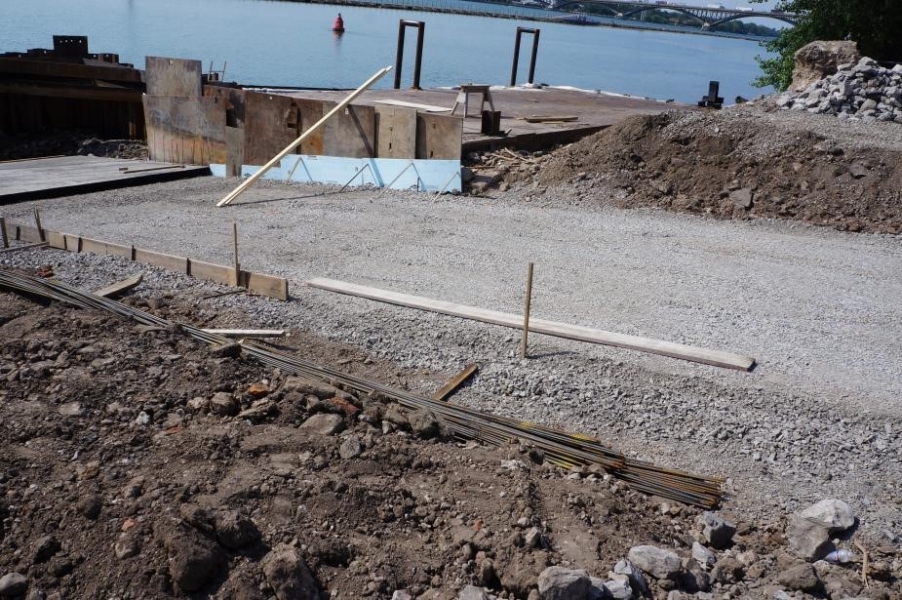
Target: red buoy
339	25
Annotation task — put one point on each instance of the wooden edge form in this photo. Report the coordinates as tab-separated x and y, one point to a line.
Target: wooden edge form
27	233
210	271
266	285
158	259
247	333
714	358
455	382
105	248
120	287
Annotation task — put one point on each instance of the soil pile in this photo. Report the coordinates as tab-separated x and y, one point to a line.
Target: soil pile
137	463
742	162
68	143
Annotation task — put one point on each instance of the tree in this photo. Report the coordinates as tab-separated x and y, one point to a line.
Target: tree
874	24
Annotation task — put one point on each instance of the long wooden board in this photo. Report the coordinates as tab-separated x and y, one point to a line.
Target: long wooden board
260	283
715	358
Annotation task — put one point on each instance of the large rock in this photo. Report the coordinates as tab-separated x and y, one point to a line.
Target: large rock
819	59
423	423
558	583
801	577
323	424
471	592
617	587
705	557
637	580
194	560
234	530
288	575
718	532
13	584
833	515
808	540
657	562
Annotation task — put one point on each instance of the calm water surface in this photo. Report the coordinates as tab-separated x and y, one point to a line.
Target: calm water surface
290	44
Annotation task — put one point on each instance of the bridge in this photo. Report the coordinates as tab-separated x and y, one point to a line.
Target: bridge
707	16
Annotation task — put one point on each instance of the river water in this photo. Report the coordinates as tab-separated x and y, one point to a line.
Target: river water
291	44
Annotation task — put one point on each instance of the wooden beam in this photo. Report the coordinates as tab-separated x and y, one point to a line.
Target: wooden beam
37	224
526	306
248	333
291	147
572	332
455	382
120	287
3	237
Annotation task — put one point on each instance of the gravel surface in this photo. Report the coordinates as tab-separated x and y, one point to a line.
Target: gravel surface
819	418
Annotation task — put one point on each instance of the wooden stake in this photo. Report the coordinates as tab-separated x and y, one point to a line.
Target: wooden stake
455	382
3	236
526	311
291	147
37	223
237	274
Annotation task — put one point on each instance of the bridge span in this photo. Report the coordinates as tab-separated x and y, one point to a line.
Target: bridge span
707	16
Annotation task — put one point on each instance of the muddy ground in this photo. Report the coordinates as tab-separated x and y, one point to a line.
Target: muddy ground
137	463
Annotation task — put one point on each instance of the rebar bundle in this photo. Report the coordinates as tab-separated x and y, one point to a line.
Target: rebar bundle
559	447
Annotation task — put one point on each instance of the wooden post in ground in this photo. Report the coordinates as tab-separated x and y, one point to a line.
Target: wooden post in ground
526	311
37	223
237	273
3	237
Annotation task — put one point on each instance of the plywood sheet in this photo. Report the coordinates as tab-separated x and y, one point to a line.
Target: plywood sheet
311	112
175	77
351	132
439	136
186	131
234	151
271	122
234	102
396	132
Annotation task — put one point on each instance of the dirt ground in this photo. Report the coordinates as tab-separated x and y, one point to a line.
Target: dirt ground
139	464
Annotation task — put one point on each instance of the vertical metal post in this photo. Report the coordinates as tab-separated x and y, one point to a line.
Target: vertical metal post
418	61
526	311
516	57
532	61
400	57
535	52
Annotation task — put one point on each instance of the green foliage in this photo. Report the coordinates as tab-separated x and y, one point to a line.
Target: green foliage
874	24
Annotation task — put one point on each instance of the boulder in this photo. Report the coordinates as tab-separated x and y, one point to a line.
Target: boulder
558	583
350	448
223	403
833	515
471	592
235	531
637	580
288	575
424	423
194	560
657	562
718	532
808	540
618	586
323	424
12	585
802	578
819	59
703	556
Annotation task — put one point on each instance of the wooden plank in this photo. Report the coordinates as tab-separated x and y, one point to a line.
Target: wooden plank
186	130
439	136
210	271
120	287
270	123
573	332
266	285
351	132
455	382
105	248
247	333
56	239
173	77
26	233
158	259
4	239
396	132
311	113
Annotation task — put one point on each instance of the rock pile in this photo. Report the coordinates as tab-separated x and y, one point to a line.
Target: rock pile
857	92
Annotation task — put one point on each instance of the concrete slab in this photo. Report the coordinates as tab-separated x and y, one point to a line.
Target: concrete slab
594	111
67	175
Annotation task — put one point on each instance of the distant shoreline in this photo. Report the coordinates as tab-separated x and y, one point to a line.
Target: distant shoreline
556	19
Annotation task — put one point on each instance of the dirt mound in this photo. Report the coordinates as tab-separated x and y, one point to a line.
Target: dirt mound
742	163
68	143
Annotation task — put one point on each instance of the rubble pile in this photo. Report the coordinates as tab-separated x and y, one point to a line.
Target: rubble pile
856	92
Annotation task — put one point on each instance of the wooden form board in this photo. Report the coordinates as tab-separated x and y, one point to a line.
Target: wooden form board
439	136
351	132
186	131
311	112
266	285
174	77
396	132
271	122
574	332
